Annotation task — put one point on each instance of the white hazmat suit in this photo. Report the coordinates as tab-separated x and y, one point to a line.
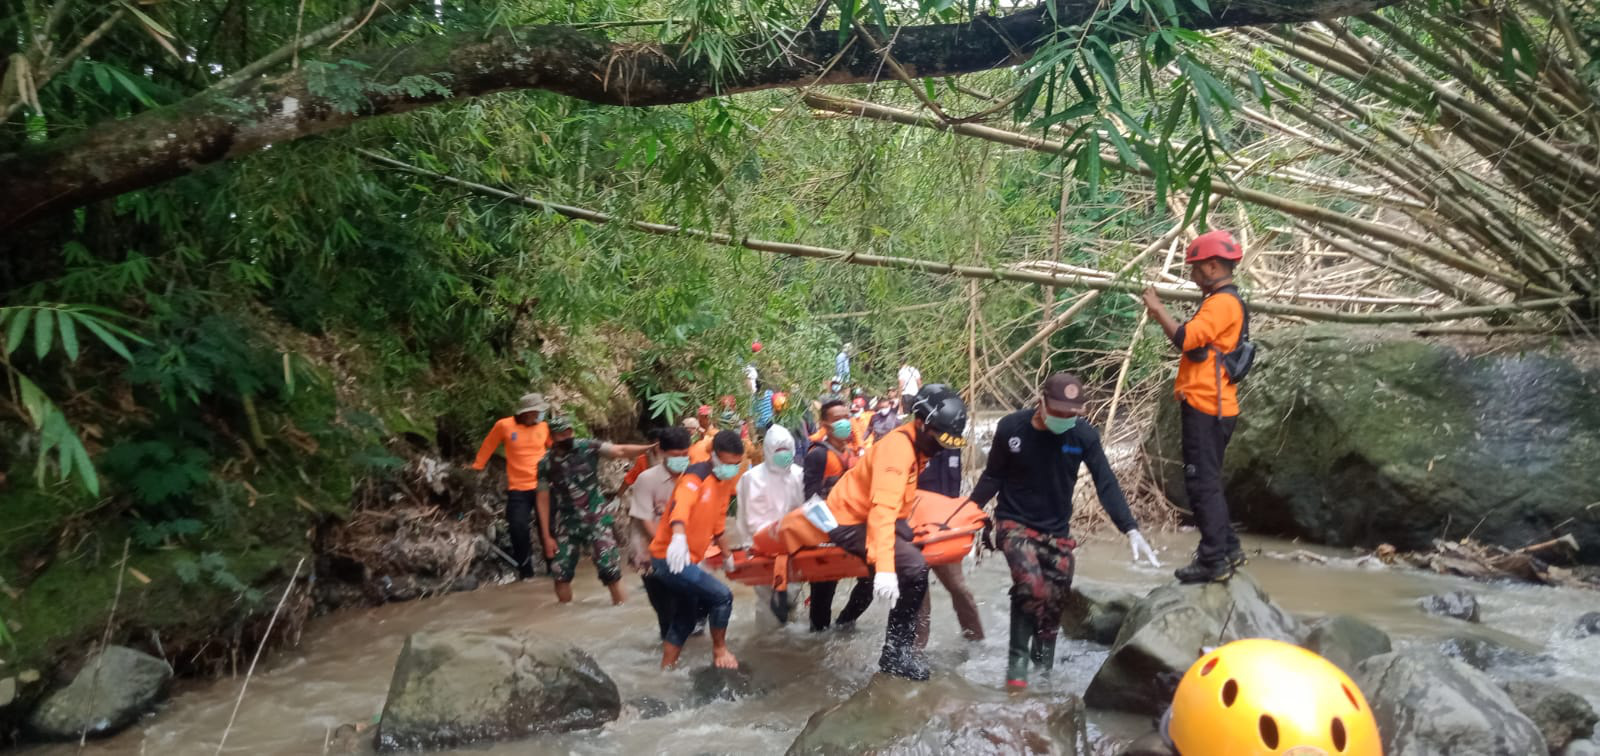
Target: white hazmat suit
766	493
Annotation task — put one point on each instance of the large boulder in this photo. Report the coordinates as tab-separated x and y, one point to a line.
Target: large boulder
455	688
1561	715
1095	611
114	687
1461	605
1427	704
1589	624
1165	632
1346	641
1361	436
946	715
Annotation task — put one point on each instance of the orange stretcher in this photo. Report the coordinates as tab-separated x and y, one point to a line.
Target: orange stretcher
942	527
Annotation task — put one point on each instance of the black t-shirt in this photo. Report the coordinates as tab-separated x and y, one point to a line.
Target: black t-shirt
1034	471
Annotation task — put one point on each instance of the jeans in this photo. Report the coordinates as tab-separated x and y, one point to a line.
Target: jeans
1205	437
690	590
519	521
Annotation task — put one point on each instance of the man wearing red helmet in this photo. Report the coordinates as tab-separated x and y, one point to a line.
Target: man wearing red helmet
1209	396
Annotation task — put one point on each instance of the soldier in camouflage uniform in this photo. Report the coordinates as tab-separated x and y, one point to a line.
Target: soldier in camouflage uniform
573	514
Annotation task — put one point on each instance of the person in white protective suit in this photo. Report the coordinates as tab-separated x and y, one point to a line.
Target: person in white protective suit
766	493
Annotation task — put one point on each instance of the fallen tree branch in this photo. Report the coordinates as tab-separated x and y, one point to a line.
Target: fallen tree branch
967	271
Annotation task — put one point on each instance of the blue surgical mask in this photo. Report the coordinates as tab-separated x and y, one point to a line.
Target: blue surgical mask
841	429
782	459
1059	425
724	472
677	465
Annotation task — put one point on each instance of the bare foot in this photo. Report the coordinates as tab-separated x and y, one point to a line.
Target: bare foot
722	658
617	595
669	654
564	593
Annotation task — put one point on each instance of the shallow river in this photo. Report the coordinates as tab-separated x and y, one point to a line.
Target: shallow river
340	672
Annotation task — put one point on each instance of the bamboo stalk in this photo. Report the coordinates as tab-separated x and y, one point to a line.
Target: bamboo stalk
970	271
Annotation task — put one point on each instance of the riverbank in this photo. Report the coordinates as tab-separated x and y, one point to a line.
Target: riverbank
339	673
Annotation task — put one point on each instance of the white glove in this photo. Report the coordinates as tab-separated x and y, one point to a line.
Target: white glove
1139	545
678	553
886	585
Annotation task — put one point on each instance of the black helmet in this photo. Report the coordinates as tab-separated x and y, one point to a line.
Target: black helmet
942	413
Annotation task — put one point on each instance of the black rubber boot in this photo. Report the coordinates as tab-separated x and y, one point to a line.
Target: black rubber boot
1043	655
900	659
1020	649
1204	572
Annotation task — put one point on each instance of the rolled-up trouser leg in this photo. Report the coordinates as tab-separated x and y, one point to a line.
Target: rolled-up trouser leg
692	589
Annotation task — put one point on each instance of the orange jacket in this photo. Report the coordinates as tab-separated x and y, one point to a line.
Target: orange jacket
525	446
700	502
640	464
879	490
700	451
858	429
1218	323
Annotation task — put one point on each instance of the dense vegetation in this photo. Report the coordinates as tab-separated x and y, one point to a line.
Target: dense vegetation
208	366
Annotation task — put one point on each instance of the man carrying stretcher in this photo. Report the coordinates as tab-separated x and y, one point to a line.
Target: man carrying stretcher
866	513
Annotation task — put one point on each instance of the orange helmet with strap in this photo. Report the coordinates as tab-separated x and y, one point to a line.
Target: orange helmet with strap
1256	697
1218	243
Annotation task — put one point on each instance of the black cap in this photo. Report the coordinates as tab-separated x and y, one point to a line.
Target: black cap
1063	395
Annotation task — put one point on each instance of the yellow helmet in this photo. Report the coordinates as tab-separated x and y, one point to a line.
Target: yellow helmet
1256	696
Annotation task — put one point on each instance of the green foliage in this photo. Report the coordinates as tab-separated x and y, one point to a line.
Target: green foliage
165	532
213	568
157	472
668	406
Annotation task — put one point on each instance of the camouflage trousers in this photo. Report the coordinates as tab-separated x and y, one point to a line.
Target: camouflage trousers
1041	574
574	534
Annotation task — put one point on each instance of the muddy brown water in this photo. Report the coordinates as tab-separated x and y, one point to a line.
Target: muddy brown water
340	671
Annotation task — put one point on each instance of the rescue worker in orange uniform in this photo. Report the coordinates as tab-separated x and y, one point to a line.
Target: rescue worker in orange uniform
526	438
866	516
1209	396
826	462
698	514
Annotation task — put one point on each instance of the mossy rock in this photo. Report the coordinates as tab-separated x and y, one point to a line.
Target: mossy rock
1355	437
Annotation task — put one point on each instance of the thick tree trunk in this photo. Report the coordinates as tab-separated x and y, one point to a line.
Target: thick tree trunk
172	141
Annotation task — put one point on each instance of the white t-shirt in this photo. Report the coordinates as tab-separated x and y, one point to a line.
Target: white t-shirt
649	498
910	380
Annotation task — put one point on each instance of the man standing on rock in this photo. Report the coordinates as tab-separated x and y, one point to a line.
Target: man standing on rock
570	475
1033	466
698	515
526	438
1209	396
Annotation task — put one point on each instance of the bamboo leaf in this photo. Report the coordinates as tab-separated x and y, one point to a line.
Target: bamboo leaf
19	326
69	334
44	332
101	331
1077	110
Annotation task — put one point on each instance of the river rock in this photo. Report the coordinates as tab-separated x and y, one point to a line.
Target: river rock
108	694
1561	716
1458	604
1346	640
716	684
1360	436
945	715
1165	632
1487	655
1589	624
1095	611
1427	704
455	688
